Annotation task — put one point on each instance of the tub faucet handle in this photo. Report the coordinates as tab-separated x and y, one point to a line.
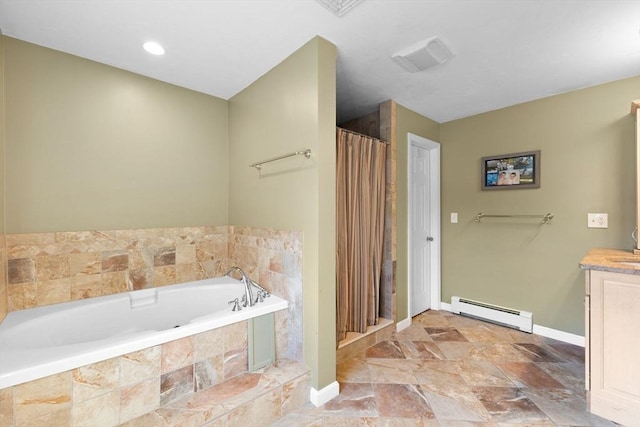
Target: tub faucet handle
259	297
236	305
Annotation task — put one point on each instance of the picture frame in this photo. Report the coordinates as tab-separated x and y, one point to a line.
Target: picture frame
511	171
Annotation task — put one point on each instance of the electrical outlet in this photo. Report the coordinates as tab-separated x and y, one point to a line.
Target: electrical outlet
598	220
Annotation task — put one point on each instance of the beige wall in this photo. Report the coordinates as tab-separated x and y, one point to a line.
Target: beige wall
95	147
407	121
587	144
291	108
3	275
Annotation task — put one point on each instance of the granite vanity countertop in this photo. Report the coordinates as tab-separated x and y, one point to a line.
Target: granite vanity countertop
615	260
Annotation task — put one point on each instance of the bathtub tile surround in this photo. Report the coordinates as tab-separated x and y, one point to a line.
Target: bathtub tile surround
274	259
249	400
120	389
4	308
49	268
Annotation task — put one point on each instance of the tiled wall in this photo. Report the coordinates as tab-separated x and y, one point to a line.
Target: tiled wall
274	258
49	268
116	390
4	309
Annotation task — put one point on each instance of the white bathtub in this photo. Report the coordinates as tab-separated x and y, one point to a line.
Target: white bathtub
47	340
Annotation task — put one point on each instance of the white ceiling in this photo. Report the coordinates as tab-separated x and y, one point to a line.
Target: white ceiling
506	51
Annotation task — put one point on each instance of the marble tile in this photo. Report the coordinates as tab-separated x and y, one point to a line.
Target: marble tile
177	384
6	407
167	418
482	373
61	417
401	401
295	393
235	362
440	375
115	261
563	407
415	332
385	350
185	254
456	403
353	370
569	352
52	267
21	270
208	344
479	333
569	374
176	354
140	278
510	405
285	370
140	365
528	375
114	282
138	399
536	353
88	286
164	256
453	350
208	372
163	276
432	320
399	371
85	263
354	400
445	334
102	410
262	411
95	379
53	291
40	397
421	350
500	352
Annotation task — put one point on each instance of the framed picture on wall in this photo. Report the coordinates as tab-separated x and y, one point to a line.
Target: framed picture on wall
511	171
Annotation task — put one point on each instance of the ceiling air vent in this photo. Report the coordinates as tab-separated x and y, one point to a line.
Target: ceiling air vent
423	55
339	7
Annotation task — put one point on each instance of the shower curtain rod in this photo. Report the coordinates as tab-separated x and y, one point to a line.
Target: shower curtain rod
362	134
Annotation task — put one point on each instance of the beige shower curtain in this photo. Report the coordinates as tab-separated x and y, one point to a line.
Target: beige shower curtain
360	192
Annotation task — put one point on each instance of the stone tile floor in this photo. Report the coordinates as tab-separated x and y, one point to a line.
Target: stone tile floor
447	370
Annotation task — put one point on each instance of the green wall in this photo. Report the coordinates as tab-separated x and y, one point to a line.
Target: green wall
94	147
293	107
407	121
587	143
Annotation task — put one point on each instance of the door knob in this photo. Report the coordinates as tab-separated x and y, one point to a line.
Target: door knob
429	239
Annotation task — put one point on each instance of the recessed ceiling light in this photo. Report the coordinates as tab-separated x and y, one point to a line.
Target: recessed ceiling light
153	48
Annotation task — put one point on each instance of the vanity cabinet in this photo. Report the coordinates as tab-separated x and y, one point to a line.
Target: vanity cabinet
613	345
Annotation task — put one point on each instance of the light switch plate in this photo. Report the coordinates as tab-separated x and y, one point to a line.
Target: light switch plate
454	217
597	220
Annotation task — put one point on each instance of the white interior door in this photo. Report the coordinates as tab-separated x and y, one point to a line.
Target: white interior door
424	224
420	229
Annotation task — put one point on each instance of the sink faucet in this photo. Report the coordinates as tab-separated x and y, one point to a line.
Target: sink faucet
248	293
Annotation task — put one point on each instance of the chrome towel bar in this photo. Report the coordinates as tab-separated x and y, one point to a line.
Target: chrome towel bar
306	153
545	218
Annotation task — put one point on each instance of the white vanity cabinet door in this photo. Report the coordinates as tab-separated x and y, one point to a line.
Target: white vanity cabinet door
613	342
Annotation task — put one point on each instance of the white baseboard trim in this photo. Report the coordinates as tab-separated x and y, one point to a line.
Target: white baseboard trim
403	324
559	335
322	396
555	334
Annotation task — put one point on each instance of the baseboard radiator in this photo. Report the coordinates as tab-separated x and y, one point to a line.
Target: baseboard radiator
522	320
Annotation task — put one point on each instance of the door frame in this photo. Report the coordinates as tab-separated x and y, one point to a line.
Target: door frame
434	198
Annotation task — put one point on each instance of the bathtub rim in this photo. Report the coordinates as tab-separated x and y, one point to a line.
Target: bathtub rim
138	341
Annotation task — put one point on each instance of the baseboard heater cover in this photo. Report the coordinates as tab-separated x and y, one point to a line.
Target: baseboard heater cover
522	320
